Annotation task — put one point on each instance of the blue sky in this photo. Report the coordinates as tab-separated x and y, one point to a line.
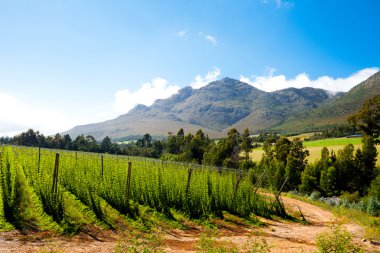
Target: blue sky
64	63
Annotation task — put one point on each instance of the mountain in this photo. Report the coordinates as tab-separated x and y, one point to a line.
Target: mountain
336	111
227	103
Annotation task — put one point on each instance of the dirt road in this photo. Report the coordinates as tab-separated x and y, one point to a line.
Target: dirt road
282	236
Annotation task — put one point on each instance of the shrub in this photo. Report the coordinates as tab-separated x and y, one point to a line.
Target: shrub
374	189
350	197
339	240
315	195
373	206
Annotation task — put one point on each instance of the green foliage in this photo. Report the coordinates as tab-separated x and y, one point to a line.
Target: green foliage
199	191
246	143
106	144
366	162
226	152
189	148
311	176
286	160
310	179
349	171
208	244
328	182
374	190
10	188
368	118
282	149
256	245
138	242
296	162
338	240
333	132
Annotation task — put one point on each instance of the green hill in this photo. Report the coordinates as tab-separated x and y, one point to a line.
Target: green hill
336	111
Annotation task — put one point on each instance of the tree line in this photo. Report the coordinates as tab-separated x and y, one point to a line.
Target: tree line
84	143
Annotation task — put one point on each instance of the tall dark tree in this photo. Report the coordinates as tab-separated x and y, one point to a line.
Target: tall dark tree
296	162
145	141
225	152
67	142
58	142
311	176
246	143
28	138
366	163
106	145
282	149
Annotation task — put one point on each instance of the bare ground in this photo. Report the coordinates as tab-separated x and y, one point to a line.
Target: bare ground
281	235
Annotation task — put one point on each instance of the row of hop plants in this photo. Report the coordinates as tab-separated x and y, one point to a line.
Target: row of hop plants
38	166
9	189
195	190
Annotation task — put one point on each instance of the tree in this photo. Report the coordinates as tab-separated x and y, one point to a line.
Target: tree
145	141
295	163
67	142
368	118
374	190
328	181
58	142
346	170
366	163
86	143
106	145
282	149
246	143
309	179
225	152
28	138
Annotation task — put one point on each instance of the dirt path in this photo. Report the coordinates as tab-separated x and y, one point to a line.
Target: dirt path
283	236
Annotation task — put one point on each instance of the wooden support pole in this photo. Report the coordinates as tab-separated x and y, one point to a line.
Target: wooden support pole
238	179
282	186
128	185
102	164
39	159
188	181
258	183
278	195
55	175
1	161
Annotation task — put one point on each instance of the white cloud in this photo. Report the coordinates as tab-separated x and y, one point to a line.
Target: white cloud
283	4
17	116
278	82
279	3
210	38
158	88
182	33
200	81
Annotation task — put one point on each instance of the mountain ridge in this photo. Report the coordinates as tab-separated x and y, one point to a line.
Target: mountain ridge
227	103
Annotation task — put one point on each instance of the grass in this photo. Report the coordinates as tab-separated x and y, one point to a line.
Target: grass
333	142
301	136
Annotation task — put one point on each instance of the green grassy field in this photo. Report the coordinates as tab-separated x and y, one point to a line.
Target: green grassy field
333	142
315	148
